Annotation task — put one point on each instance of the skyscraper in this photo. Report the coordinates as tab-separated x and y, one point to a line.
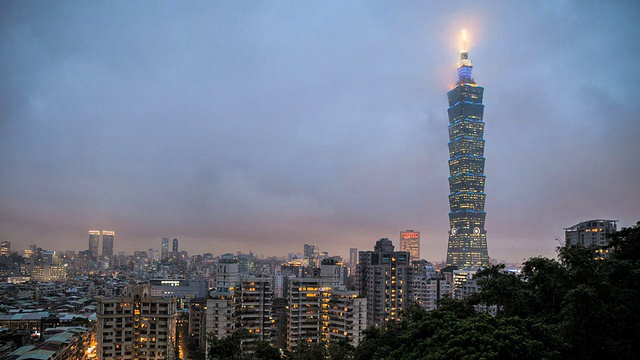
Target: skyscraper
467	247
353	261
410	242
107	243
165	248
94	242
175	247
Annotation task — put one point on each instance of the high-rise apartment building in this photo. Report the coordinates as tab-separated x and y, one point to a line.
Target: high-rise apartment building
429	286
253	299
220	307
320	314
197	326
347	313
385	278
136	326
467	246
107	243
165	248
239	303
304	305
94	243
410	242
592	233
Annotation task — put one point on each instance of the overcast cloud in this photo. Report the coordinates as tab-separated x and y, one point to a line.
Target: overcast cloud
262	126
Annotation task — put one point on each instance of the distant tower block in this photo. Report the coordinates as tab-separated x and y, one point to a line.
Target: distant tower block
94	243
5	248
410	242
108	238
165	248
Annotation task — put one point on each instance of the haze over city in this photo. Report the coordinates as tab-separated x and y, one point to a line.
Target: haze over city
238	126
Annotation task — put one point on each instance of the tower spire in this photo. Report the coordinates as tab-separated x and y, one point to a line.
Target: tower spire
464	65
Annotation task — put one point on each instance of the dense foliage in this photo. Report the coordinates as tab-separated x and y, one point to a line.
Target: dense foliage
457	331
576	307
593	305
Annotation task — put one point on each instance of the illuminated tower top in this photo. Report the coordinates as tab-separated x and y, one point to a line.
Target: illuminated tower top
465	67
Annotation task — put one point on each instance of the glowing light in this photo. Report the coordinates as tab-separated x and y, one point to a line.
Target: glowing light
464	40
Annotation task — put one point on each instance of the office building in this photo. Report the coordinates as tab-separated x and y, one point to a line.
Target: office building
94	243
385	279
136	326
174	248
309	250
48	272
467	245
5	248
353	261
165	248
108	238
410	242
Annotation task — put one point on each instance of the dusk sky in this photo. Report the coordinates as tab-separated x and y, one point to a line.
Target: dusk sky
238	126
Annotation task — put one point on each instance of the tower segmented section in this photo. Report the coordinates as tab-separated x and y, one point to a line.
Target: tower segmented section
467	247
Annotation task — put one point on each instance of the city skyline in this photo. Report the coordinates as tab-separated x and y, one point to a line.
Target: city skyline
243	126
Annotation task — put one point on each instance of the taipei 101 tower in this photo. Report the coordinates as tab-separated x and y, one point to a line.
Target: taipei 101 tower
467	246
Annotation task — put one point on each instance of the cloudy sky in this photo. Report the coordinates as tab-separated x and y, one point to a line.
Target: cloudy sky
262	126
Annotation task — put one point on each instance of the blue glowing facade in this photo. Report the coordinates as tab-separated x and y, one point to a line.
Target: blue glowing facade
467	246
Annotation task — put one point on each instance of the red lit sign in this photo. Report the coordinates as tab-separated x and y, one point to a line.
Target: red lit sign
409	235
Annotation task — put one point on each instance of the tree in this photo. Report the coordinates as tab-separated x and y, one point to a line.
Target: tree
456	331
226	348
264	351
340	350
306	351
